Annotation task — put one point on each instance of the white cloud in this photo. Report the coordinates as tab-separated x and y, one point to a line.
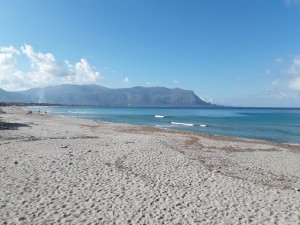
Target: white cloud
176	82
279	61
45	64
84	73
275	83
126	80
294	69
279	95
294	73
268	72
7	57
9	49
295	84
149	83
10	77
45	70
286	84
274	94
206	98
289	2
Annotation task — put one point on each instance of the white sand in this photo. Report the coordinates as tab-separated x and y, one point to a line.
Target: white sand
71	171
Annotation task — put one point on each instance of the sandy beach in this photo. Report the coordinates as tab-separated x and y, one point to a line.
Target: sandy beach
56	170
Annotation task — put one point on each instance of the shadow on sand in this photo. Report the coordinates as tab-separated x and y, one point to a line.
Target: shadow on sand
11	126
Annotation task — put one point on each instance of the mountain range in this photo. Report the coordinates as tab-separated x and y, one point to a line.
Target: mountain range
69	94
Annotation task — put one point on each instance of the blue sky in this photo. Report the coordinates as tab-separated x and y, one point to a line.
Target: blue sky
231	52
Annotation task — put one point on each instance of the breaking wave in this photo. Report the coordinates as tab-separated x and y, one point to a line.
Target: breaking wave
188	124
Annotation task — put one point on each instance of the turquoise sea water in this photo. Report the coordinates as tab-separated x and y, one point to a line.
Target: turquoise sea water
280	125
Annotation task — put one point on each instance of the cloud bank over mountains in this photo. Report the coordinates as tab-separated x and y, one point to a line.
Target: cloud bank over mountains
40	69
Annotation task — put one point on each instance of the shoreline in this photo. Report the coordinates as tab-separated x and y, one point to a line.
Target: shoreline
69	170
182	130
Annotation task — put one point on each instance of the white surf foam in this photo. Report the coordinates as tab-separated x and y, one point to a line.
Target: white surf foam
76	112
159	116
189	124
183	124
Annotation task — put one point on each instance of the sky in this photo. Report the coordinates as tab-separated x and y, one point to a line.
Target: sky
229	52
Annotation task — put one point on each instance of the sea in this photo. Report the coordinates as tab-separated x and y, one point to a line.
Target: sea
271	124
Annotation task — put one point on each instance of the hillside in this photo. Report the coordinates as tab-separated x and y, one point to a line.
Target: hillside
97	95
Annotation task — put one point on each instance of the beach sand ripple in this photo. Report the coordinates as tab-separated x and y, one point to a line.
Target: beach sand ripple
70	171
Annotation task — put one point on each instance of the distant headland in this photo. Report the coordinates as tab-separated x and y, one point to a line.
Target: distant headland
94	95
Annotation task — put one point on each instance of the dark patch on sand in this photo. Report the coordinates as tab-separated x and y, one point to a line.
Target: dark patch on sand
12	126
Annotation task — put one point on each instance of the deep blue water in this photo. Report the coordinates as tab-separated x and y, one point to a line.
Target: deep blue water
280	125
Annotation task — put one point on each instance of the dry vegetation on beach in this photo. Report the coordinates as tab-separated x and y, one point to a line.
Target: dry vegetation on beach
72	171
